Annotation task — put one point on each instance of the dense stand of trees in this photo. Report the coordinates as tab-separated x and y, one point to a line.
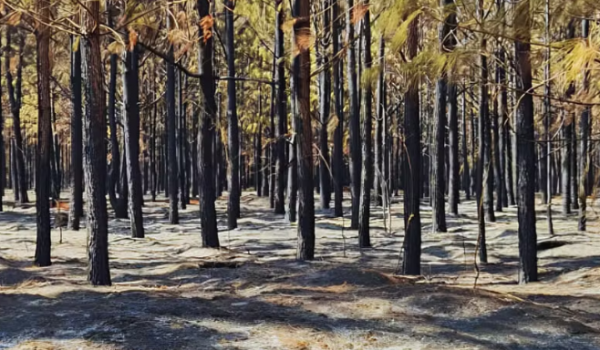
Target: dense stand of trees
430	101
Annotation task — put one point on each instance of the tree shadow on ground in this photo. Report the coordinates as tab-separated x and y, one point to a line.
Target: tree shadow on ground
167	320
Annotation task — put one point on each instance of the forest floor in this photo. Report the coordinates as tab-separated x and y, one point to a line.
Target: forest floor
168	293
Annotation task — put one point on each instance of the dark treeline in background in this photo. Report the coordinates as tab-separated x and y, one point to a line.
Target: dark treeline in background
436	103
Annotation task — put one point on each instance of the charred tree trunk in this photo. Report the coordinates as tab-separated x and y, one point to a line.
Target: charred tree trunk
525	147
447	44
466	173
411	262
14	97
206	135
303	130
379	178
568	130
481	155
453	159
547	122
131	125
118	203
76	205
324	108
584	130
171	125
233	204
94	148
43	33
354	119
338	136
364	236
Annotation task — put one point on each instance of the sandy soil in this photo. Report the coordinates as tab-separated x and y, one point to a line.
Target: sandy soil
169	294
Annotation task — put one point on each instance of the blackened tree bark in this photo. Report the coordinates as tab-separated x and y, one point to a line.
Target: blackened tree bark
584	130
153	155
76	173
2	151
292	184
447	43
547	121
131	126
379	178
258	152
566	164
567	133
14	98
324	107
94	149
525	146
411	262
574	165
498	118
281	108
466	173
502	117
171	125
338	136
354	117
206	135
273	143
303	131
42	190
483	144
364	236
233	133
118	203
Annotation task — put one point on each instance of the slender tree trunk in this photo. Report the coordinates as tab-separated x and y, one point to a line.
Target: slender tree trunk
233	204
567	133
447	44
525	147
574	165
364	236
281	108
379	178
474	153
153	155
206	135
13	169
119	204
14	97
502	118
324	109
499	118
411	262
171	125
76	205
258	161
453	159
303	130
466	174
94	127
2	151
584	130
481	155
338	136
43	33
354	118
131	124
182	177
292	191
566	165
547	122
273	143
